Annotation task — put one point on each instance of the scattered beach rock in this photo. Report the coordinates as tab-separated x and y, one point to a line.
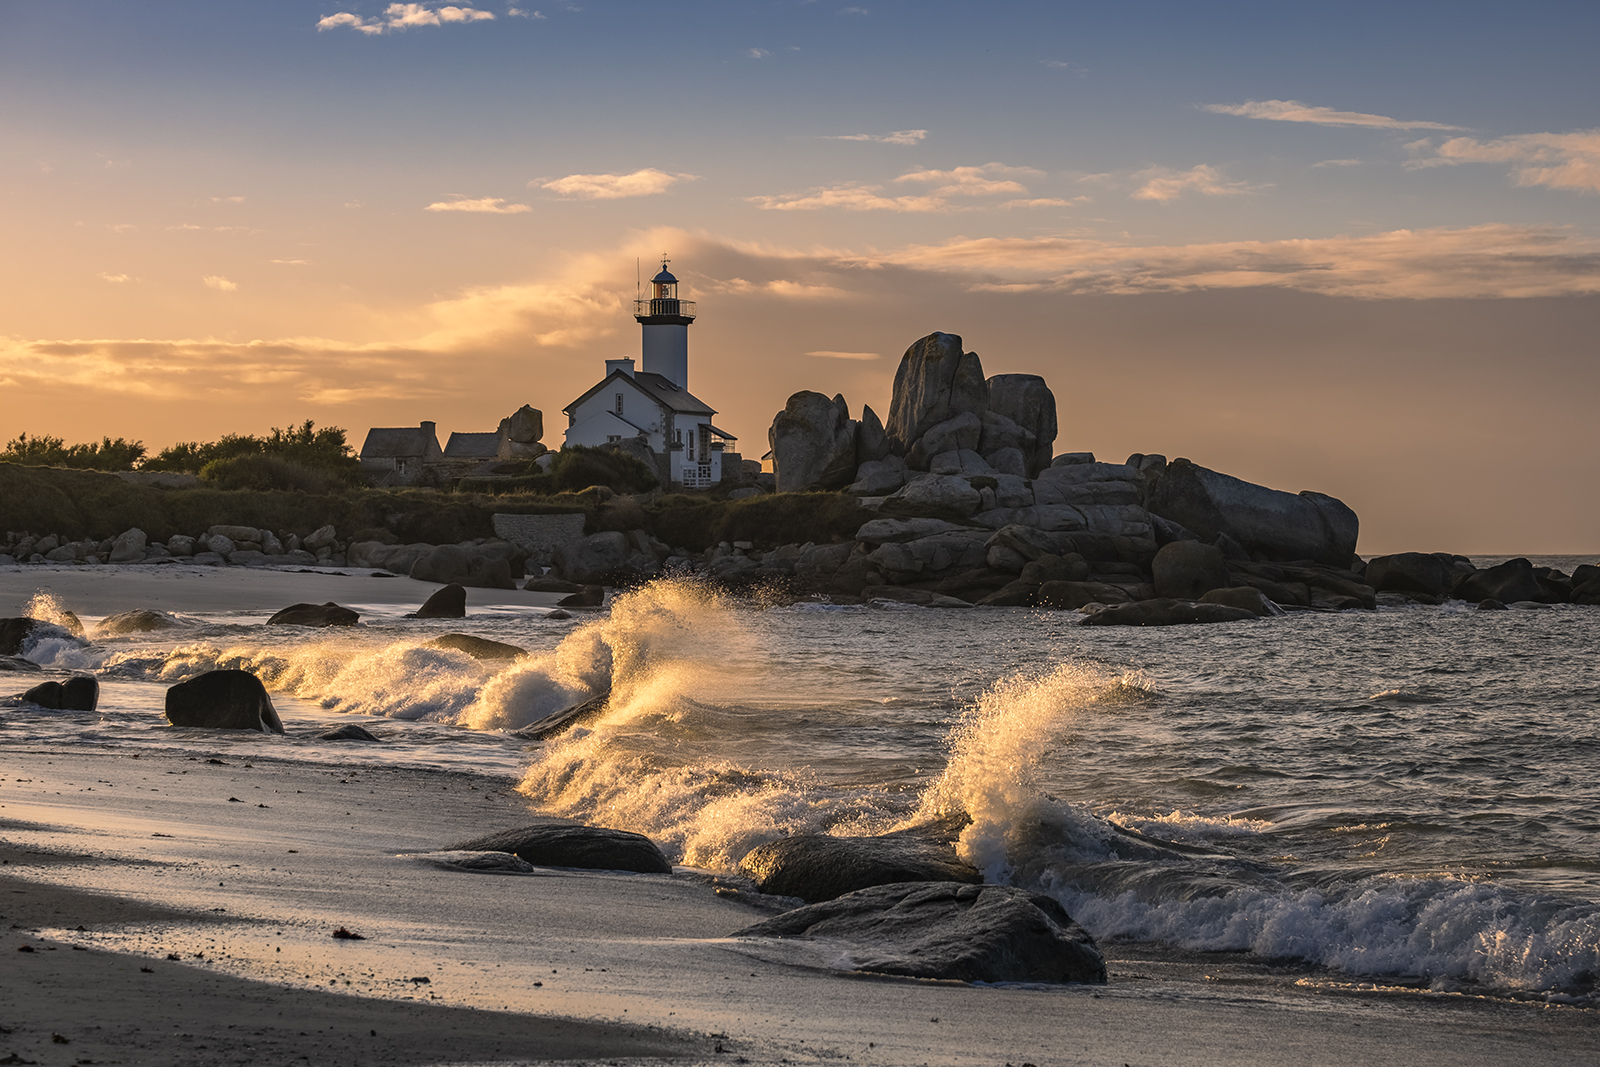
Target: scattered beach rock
137	621
464	566
817	867
551	585
1491	604
477	647
19	665
587	847
223	700
350	732
560	722
557	614
587	596
1165	611
1411	572
329	614
594	559
1247	597
448	603
970	933
477	862
79	693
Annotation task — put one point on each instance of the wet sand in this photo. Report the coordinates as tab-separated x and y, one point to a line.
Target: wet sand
244	869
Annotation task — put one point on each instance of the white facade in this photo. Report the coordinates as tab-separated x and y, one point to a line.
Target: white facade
654	403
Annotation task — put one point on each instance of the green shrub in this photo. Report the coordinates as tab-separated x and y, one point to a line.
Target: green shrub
784	518
578	467
265	472
305	446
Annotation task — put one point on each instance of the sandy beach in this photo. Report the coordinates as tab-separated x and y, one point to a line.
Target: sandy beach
203	889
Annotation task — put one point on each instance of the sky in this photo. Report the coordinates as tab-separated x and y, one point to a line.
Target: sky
1350	248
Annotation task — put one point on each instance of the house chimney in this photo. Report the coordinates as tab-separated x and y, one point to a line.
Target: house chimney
625	365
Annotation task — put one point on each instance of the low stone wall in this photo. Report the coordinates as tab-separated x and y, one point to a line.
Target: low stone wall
540	535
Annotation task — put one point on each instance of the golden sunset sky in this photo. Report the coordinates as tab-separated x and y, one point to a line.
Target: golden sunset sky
1351	248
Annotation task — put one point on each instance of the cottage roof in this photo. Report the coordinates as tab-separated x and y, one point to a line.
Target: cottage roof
657	388
473	445
397	442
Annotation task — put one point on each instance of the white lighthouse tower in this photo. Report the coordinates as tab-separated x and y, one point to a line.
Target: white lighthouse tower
653	406
666	321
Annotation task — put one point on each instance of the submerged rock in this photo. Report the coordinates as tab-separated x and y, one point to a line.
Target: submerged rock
1411	572
1506	582
223	700
587	847
477	647
13	632
817	867
1165	611
477	862
18	664
971	933
137	621
448	603
587	596
329	614
80	693
350	732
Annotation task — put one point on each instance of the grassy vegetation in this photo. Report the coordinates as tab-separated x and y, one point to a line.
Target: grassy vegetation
89	504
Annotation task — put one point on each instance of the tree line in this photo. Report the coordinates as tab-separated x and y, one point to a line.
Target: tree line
299	457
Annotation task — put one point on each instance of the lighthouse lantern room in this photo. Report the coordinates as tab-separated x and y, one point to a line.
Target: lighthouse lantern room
666	321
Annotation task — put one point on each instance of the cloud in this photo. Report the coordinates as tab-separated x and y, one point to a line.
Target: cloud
854	11
647	182
488	205
217	281
1164	185
227	199
519	13
291	262
758	53
1049	201
1491	261
1554	160
850	198
897	137
115	278
1295	111
988	180
1338	163
406	16
825	354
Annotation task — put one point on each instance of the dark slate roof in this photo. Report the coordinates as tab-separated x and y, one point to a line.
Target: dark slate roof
473	445
396	442
658	388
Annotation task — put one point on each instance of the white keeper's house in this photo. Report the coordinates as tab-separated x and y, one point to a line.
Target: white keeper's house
653	402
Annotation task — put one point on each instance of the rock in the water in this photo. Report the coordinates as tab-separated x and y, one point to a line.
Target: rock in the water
348	732
477	647
448	603
137	621
970	933
80	693
1165	611
935	381
1188	570
588	847
477	862
587	596
818	867
1411	572
1506	582
557	615
1269	522
1247	597
1069	596
813	443
329	614
13	632
223	700
19	665
1491	604
1026	400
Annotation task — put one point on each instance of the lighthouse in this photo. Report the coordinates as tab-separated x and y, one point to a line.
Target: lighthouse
650	411
666	320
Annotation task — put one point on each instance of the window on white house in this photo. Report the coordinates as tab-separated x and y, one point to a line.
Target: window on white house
613	438
619	403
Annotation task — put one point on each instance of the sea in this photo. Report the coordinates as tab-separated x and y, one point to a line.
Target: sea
1404	800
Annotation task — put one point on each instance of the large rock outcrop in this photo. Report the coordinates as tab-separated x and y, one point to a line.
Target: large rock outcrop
1267	522
813	443
970	933
223	700
1026	400
1411	572
1188	570
1506	582
935	382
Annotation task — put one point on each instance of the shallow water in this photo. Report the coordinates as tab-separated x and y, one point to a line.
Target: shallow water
1411	794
